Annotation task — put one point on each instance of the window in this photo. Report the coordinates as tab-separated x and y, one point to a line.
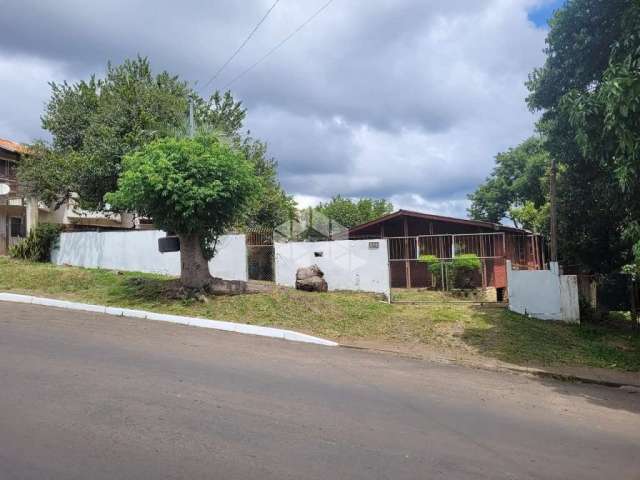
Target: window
7	169
12	170
16	227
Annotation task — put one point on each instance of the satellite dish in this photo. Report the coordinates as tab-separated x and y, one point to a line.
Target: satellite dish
4	189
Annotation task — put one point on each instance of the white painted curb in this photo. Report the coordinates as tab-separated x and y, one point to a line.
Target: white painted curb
161	317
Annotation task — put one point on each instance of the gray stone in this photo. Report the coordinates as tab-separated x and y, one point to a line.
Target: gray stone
311	279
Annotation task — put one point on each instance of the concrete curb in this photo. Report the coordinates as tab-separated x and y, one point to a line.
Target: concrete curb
161	317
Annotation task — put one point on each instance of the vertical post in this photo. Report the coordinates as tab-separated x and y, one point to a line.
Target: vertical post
483	256
192	127
389	300
554	211
31	214
407	265
634	304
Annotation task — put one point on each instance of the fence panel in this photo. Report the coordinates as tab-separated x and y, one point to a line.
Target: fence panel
137	251
408	271
260	255
439	246
347	264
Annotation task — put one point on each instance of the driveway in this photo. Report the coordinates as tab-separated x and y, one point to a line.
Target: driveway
94	396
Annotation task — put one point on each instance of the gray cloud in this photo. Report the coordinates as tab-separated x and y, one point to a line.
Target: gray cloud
304	145
408	99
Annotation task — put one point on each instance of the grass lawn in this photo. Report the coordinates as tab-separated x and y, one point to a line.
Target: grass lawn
350	317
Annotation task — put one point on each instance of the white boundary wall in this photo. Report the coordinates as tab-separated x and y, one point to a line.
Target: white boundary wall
347	264
544	294
137	251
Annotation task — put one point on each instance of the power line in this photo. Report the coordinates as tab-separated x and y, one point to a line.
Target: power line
246	40
285	40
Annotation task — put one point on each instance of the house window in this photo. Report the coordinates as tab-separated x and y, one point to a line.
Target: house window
16	227
7	169
12	170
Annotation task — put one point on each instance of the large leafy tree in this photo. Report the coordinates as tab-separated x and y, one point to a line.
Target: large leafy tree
517	188
349	213
196	188
95	123
99	121
274	206
589	95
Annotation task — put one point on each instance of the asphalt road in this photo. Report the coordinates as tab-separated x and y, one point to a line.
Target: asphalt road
88	396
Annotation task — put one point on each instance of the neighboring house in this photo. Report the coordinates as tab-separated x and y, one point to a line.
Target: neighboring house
12	207
412	234
18	214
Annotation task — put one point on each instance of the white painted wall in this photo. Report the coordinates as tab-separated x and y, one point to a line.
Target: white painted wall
137	251
544	294
347	264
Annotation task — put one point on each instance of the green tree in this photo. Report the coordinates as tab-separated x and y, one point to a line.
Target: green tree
196	188
221	112
517	187
349	213
274	207
606	119
588	93
95	123
99	122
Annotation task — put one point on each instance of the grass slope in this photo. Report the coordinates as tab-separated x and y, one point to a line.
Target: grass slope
349	317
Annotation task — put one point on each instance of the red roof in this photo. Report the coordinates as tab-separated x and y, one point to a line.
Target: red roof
12	146
429	216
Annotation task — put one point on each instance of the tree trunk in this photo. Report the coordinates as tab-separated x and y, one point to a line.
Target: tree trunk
194	267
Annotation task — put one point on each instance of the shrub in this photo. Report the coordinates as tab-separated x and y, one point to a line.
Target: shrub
433	263
38	245
434	266
465	268
468	261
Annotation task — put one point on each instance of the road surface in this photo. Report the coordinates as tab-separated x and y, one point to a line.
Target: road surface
89	396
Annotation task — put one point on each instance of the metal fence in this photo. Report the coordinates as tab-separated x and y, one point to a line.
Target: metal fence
407	269
260	255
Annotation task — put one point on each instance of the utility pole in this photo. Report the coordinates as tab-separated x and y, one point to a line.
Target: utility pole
192	127
553	200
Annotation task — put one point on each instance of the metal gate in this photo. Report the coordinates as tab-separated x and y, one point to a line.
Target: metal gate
260	255
408	271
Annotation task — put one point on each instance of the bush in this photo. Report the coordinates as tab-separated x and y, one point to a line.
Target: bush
468	262
434	266
433	263
38	245
460	270
465	267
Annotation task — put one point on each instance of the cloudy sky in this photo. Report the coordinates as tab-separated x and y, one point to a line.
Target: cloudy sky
404	99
